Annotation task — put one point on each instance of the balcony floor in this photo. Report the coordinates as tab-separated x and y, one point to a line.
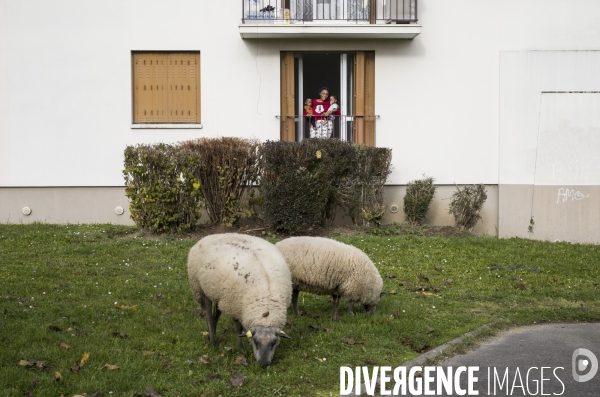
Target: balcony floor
333	31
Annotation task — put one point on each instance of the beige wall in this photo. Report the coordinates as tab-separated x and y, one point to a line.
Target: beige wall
438	211
64	205
97	205
560	213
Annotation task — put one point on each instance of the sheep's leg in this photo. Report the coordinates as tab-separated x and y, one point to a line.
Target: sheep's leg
350	307
295	294
238	331
336	301
212	317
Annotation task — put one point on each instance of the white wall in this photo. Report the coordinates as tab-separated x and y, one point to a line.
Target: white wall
65	81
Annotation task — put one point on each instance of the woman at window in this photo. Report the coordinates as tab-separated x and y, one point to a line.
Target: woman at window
321	115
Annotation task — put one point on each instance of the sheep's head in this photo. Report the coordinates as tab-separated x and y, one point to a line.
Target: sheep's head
264	340
371	304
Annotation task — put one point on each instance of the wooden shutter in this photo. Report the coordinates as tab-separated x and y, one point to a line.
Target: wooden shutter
166	87
288	132
364	98
149	80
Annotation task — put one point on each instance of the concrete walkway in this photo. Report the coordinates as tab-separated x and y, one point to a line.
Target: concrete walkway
511	364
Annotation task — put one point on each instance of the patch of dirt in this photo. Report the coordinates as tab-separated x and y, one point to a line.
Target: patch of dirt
265	231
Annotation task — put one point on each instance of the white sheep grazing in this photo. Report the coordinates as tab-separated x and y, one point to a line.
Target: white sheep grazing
247	279
327	267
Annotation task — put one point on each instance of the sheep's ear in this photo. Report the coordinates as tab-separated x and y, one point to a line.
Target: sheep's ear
383	293
284	335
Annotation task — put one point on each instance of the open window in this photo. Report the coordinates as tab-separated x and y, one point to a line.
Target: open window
348	75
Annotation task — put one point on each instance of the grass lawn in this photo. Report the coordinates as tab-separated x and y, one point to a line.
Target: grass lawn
124	298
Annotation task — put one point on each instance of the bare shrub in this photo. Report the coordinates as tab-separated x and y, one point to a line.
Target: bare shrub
466	204
227	167
419	194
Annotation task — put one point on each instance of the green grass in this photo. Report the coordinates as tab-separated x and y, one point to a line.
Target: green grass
71	276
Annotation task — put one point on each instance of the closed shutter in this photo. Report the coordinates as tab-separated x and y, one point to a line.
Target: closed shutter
364	98
166	87
288	132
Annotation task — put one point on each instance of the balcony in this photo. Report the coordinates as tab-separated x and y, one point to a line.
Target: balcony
331	19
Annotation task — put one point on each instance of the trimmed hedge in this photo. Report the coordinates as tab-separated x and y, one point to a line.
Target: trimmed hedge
164	195
304	183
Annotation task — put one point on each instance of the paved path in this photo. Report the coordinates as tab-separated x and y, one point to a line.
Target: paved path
513	353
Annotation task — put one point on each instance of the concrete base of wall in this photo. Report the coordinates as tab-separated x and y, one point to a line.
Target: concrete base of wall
564	213
64	205
438	211
97	205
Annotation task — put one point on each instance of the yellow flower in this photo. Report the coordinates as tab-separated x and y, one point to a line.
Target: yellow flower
318	154
196	185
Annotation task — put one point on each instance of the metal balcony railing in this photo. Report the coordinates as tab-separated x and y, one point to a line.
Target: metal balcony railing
285	12
344	127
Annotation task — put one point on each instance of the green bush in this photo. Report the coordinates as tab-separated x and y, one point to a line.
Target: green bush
466	204
228	167
419	194
304	183
164	196
294	185
361	193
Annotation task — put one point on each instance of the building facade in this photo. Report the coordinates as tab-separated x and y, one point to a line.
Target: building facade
500	92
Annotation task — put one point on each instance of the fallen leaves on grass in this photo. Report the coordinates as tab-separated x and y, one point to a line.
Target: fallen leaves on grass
65	346
121	335
84	359
33	363
208	378
54	328
147	353
369	360
241	360
237	380
150	392
351	341
429	330
110	367
314	326
124	307
204	360
57	377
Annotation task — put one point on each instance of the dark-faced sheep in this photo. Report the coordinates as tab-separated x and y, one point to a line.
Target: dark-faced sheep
247	279
327	267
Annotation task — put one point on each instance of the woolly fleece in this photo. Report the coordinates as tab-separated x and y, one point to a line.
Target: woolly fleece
325	267
246	276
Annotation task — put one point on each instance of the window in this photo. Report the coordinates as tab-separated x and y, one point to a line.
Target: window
166	87
348	75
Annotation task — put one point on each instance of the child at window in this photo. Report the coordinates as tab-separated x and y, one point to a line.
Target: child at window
308	111
333	106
